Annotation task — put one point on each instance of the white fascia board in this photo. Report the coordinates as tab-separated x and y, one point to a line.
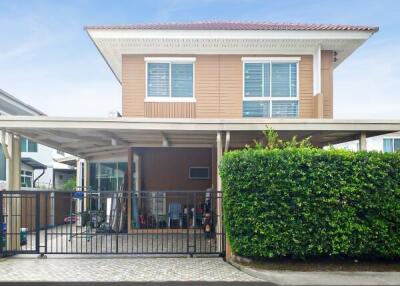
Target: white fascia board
224	34
169	99
271	59
170	59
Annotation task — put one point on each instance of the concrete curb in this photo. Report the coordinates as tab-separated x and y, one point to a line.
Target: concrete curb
254	273
321	278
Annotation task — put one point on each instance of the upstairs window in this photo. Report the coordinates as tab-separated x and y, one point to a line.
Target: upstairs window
28	145
170	79
270	87
391	145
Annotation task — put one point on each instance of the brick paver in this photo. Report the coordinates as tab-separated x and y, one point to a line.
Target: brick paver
104	268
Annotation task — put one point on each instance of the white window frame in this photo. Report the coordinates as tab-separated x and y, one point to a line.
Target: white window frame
27	146
199	178
170	61
270	61
392	144
24	175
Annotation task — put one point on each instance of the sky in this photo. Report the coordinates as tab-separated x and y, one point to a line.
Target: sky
48	60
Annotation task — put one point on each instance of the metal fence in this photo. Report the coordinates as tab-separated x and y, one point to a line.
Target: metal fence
109	222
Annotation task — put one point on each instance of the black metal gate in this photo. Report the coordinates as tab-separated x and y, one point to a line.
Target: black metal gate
149	222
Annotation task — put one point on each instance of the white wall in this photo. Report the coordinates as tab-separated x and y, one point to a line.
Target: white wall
45	156
373	143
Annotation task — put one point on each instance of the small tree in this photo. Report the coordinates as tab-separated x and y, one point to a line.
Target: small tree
70	184
274	142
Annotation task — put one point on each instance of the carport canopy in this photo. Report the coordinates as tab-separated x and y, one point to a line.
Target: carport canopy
95	137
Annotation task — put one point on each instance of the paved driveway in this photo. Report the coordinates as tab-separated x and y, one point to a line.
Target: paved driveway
105	268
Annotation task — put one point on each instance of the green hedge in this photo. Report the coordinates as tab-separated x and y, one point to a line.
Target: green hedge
303	202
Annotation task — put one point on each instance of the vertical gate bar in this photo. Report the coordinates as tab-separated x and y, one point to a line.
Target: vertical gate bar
1	224
187	224
195	223
37	222
11	226
119	221
20	218
31	220
53	216
222	234
46	221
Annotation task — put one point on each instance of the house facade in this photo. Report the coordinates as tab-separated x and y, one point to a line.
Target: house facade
38	167
191	92
215	71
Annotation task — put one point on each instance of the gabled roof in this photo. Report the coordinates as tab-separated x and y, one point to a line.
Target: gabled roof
233	25
13	106
226	37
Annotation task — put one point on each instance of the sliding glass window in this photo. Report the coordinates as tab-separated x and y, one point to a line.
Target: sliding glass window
270	89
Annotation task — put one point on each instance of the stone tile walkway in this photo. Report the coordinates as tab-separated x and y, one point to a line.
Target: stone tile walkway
105	268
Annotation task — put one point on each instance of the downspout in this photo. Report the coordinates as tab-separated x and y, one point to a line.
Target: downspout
3	144
34	181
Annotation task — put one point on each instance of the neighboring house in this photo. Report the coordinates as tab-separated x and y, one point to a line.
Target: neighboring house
37	161
190	92
383	143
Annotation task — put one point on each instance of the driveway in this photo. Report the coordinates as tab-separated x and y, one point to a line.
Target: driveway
110	269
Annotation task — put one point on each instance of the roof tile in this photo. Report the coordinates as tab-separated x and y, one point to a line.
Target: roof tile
233	25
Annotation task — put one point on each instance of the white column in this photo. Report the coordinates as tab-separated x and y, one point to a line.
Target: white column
317	71
16	165
86	183
13	203
363	141
9	161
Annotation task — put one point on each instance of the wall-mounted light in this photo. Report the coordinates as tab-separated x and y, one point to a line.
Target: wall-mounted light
335	56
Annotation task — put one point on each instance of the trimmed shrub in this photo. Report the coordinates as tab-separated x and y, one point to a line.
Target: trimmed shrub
305	202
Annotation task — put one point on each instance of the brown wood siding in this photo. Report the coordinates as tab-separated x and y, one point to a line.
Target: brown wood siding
231	86
62	207
133	85
218	88
327	83
170	109
306	103
28	209
207	86
168	168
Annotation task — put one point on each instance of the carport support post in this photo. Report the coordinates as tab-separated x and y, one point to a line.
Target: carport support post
219	194
363	141
13	203
86	186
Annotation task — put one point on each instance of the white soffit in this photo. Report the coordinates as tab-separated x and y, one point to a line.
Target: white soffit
112	44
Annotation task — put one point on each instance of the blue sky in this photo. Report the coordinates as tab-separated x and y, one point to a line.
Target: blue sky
47	60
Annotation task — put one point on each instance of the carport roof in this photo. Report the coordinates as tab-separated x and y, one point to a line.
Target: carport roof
96	137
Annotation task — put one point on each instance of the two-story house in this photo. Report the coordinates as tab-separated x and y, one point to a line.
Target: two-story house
189	93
